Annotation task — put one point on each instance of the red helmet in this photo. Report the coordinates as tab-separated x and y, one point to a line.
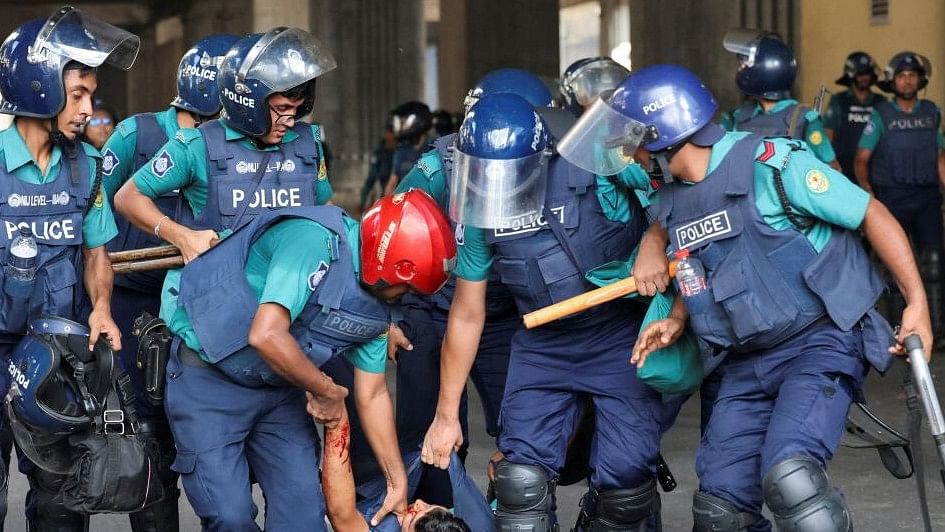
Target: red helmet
406	238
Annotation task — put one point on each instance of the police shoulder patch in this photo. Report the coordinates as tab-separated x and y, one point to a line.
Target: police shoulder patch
109	162
162	163
316	276
817	181
815	138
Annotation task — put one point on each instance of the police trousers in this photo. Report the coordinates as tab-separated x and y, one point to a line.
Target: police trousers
550	370
789	400
222	429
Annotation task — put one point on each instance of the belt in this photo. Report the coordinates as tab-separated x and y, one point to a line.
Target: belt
189	357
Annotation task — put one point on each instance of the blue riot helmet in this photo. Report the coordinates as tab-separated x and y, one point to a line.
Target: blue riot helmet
585	79
767	66
198	88
510	80
500	165
906	61
33	57
855	64
58	387
659	107
263	64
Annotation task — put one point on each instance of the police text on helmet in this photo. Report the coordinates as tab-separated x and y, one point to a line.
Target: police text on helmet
205	73
18	377
658	104
245	101
536	138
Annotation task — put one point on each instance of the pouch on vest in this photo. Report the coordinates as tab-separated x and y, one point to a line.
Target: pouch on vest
14	303
154	346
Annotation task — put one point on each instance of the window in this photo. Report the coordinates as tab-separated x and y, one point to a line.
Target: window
879	12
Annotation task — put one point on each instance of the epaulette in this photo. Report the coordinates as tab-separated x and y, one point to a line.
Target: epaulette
90	150
127	127
317	132
187	135
429	163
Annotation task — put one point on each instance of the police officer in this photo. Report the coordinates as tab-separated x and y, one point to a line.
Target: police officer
542	256
766	70
379	170
850	111
585	79
788	292
900	160
411	123
257	156
51	187
136	141
254	320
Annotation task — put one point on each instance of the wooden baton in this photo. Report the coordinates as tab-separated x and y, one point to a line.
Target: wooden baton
164	263
585	301
143	254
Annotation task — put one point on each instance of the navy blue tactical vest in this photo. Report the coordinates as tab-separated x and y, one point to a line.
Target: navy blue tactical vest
853	118
499	301
546	262
221	304
288	180
54	211
774	124
765	284
149	138
907	154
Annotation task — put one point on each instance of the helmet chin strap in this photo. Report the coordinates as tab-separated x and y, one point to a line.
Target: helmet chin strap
659	164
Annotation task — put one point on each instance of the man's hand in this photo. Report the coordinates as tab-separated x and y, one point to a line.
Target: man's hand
327	409
656	336
194	243
651	268
395	501
101	322
443	437
915	319
396	339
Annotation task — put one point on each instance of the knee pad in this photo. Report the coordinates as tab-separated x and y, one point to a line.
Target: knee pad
714	514
525	498
798	493
624	510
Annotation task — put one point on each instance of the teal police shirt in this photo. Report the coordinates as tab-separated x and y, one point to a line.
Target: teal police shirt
278	268
98	226
814	134
120	149
873	131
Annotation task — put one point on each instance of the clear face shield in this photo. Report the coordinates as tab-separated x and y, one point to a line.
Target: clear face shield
49	452
71	34
744	42
603	140
498	193
285	58
590	80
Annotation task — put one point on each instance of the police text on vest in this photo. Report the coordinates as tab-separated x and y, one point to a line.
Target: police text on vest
704	229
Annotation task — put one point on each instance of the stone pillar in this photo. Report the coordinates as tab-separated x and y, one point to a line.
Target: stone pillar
478	36
379	48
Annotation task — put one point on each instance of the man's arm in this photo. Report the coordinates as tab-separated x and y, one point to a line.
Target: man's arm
861	167
891	245
377	418
941	167
269	335
650	269
98	284
338	480
463	329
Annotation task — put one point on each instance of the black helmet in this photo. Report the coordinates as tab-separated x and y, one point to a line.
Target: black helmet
767	66
411	119
858	63
906	61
